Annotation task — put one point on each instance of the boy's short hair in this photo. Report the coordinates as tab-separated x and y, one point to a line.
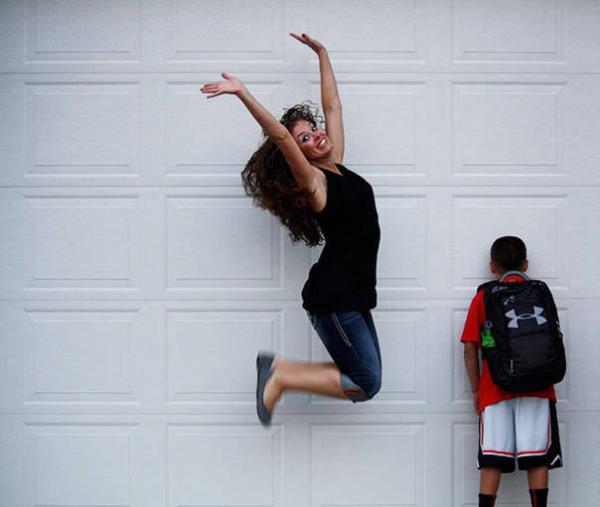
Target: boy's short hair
509	253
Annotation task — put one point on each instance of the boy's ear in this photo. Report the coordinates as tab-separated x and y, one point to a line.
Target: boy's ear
493	267
525	266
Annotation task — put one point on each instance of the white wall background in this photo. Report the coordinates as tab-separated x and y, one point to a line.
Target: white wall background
138	281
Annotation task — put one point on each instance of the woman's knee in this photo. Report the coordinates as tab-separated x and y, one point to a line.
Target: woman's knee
372	385
364	386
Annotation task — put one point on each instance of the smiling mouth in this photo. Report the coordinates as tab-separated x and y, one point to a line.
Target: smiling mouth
320	145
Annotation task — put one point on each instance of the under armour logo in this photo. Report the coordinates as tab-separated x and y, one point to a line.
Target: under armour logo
514	318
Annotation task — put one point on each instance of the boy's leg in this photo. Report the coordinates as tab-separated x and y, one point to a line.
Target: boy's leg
487	500
539	497
538	444
496	449
538	486
538	439
489	481
538	477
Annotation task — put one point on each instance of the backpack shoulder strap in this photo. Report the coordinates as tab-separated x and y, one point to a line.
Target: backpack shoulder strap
514	273
486	285
547	295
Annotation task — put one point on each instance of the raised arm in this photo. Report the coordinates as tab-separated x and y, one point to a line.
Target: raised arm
330	99
304	173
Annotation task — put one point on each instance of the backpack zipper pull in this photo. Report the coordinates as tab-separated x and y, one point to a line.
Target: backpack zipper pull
512	366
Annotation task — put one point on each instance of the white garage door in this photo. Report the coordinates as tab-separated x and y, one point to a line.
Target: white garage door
138	281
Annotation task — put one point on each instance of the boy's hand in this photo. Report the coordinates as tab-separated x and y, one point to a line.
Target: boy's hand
313	44
230	85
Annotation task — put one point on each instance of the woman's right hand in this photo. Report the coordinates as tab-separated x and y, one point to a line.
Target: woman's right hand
230	85
313	44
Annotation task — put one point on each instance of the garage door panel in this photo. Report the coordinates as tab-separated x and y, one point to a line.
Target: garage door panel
582	433
80	464
583	38
71	31
200	255
82	128
581	235
538	219
508	128
207	353
11	126
81	356
198	142
11	237
77	129
583	353
488	31
197	32
547	123
541	35
211	354
80	242
244	469
11	460
341	453
384	30
12	322
83	242
582	117
81	460
404	247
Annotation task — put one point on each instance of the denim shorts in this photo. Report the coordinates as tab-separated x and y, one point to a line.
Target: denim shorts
351	340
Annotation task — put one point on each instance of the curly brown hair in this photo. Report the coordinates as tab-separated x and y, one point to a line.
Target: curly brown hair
267	178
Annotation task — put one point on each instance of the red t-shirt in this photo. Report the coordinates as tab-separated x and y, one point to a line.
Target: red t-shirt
490	393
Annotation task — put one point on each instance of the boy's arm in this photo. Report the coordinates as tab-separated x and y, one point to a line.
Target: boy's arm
471	353
472	341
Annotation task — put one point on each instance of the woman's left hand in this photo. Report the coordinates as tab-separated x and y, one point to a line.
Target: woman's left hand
313	44
229	85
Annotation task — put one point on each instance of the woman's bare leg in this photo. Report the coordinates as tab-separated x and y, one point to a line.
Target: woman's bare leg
317	378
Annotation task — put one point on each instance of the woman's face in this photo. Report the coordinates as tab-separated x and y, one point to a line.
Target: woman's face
313	141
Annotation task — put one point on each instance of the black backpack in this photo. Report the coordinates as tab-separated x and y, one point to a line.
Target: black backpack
521	339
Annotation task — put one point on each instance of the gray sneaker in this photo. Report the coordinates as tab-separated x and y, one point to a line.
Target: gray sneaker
263	374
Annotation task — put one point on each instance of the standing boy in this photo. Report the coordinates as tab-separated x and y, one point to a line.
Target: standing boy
512	425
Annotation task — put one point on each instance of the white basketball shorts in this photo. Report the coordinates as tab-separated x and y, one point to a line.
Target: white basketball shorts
521	429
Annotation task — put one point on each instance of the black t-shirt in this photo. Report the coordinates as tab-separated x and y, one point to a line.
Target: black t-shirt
344	277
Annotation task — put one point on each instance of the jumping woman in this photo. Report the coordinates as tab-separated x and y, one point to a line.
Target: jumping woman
297	174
